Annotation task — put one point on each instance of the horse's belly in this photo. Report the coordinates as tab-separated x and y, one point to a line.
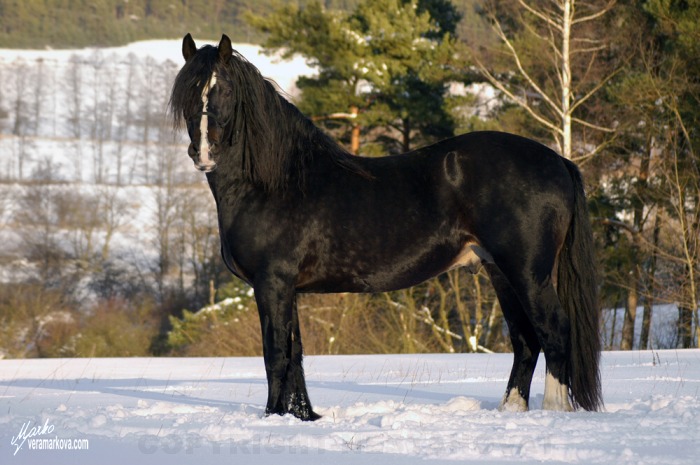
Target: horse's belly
399	273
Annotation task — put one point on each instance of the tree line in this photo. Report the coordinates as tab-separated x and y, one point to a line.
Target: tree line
577	76
80	23
39	24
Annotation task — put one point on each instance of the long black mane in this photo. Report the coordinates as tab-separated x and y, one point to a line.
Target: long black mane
273	140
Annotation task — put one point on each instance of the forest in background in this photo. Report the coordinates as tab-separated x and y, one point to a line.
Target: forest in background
623	105
39	24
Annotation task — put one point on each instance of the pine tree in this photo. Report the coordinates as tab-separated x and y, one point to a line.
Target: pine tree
389	58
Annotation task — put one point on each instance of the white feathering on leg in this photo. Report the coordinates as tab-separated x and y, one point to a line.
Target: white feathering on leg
556	395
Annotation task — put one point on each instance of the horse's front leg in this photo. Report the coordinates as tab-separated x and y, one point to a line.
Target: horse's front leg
282	349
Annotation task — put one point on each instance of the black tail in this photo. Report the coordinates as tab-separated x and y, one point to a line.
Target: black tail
577	290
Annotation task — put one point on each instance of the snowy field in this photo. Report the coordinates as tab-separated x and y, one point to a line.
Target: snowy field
403	409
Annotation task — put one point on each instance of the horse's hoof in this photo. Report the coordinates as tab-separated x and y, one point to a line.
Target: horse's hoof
301	412
313	416
299	406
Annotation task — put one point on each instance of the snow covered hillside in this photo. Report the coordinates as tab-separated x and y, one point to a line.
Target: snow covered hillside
91	126
376	409
99	115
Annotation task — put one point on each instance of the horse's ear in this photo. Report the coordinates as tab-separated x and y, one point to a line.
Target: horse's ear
225	49
188	47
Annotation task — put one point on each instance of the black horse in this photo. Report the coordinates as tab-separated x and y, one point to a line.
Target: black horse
298	213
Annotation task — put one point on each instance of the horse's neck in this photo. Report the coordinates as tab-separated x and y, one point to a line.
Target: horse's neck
227	182
306	146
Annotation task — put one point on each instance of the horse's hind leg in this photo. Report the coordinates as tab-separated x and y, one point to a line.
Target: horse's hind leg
526	347
282	350
552	327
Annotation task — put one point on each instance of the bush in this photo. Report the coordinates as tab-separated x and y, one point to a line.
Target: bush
228	328
35	322
330	324
117	328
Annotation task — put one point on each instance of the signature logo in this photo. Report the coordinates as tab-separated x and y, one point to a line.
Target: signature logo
28	431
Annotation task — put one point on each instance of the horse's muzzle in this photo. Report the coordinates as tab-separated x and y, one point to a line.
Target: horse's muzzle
205	167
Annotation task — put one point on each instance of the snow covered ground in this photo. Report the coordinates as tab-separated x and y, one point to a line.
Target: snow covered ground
376	409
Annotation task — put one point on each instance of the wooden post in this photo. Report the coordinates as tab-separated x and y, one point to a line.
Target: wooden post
212	292
355	135
352	117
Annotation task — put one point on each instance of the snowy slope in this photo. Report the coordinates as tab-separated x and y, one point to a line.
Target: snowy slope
76	120
82	115
376	409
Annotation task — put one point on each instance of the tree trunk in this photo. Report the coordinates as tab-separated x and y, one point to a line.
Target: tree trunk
685	327
495	326
355	134
627	341
567	16
649	299
406	135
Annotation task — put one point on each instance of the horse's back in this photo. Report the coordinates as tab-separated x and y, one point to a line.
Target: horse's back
493	153
492	170
505	154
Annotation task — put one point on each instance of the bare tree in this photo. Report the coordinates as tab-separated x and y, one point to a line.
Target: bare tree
126	121
555	47
39	221
685	197
21	123
38	95
114	211
147	99
656	195
3	112
74	84
168	206
97	123
199	238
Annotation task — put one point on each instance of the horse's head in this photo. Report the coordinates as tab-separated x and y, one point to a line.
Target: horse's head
201	98
236	118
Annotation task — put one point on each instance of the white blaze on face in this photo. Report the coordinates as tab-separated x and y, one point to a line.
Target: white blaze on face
204	159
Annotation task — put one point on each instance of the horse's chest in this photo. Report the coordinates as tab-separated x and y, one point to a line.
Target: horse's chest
233	264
